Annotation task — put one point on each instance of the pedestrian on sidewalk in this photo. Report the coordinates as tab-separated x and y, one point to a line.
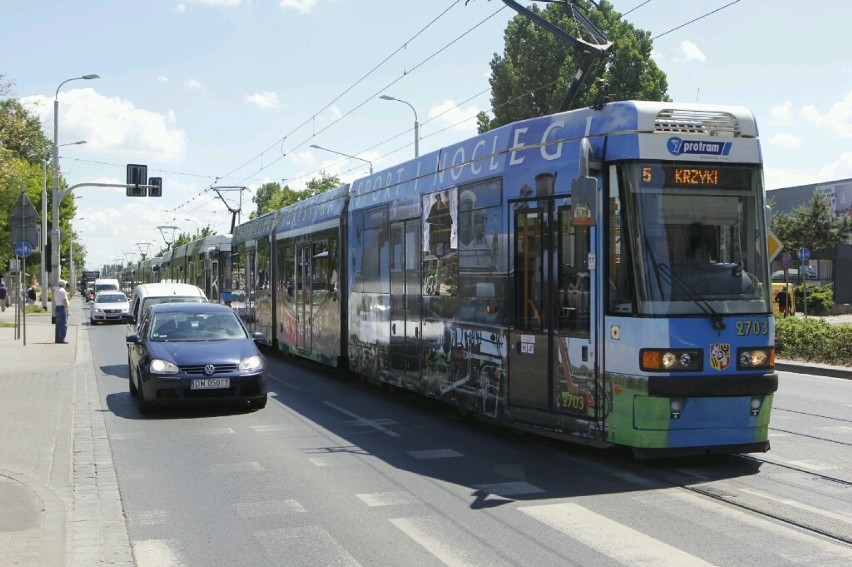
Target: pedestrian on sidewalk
60	311
4	296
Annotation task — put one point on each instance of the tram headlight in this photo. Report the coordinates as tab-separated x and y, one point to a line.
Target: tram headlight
670	360
755	358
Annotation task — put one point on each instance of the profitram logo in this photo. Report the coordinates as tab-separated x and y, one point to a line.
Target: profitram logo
678	146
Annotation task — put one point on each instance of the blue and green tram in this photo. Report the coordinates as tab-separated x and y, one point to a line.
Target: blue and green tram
599	275
595	275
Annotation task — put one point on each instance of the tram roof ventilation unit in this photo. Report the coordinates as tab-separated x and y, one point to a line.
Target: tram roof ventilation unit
707	123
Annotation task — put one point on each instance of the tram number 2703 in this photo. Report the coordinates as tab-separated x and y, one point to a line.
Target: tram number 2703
746	328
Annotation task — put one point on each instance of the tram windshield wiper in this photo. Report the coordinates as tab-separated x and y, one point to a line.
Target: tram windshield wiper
664	271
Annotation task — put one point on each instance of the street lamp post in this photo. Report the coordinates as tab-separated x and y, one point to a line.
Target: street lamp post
44	260
54	260
72	269
345	155
416	124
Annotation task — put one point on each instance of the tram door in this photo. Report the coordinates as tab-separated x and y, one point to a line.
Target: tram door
552	356
303	296
248	284
405	329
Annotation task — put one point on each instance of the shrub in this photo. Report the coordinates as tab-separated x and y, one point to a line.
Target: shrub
820	299
813	339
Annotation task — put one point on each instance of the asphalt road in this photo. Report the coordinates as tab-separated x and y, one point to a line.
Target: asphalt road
333	472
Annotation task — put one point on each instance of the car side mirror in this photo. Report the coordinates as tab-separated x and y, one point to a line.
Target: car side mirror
258	336
134	339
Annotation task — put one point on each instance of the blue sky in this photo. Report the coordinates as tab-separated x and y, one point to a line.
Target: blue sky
234	92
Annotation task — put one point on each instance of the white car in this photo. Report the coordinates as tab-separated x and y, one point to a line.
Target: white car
110	306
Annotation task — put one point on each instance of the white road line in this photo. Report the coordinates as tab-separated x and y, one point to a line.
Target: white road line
156	553
307	545
839	516
395	498
268	508
610	538
441	539
377	424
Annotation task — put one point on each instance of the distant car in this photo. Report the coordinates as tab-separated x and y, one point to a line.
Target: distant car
189	353
109	307
808	272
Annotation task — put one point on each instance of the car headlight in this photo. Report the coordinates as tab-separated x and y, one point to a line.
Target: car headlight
163	367
251	364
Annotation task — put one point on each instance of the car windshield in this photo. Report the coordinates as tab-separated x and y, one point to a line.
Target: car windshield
196	327
111	298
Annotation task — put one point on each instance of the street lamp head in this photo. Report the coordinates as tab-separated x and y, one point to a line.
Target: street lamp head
315	146
386	97
92	76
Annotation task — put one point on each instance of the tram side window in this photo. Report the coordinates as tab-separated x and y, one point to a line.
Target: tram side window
286	264
482	277
619	291
371	252
440	243
574	276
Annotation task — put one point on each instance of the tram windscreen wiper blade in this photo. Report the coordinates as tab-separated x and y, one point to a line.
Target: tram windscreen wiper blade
684	288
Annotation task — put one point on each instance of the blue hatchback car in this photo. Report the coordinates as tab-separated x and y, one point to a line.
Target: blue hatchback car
187	353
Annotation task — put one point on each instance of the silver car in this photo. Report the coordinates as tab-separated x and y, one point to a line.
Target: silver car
109	306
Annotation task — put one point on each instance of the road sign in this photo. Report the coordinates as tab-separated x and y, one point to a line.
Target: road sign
786	259
803	254
23	249
774	244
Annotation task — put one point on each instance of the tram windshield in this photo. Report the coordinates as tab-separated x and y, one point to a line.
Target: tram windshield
687	239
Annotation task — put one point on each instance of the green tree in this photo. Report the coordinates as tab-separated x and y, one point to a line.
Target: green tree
24	151
531	77
271	196
812	226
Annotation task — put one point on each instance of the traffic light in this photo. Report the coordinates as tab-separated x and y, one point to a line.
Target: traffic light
156	189
137	175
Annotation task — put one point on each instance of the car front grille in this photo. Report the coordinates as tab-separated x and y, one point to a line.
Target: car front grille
199	369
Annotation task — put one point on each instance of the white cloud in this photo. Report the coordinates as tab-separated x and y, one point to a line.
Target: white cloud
691	51
303	6
162	79
459	119
841	168
192	85
782	113
777	178
837	120
180	8
228	3
785	141
113	125
266	100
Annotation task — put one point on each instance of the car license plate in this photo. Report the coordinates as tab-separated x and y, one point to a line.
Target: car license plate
210	383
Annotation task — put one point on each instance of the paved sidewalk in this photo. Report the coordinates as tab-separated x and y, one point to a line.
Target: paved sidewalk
59	499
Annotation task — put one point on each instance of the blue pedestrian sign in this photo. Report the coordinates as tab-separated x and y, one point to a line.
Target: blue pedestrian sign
23	249
803	254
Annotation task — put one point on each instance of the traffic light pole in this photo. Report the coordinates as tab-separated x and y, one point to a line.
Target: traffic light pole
60	196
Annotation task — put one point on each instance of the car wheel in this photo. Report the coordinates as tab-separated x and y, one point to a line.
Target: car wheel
133	391
259	403
144	405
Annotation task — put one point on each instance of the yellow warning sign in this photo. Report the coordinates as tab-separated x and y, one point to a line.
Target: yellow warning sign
774	244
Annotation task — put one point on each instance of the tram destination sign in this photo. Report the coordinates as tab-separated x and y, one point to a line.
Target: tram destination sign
689	176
